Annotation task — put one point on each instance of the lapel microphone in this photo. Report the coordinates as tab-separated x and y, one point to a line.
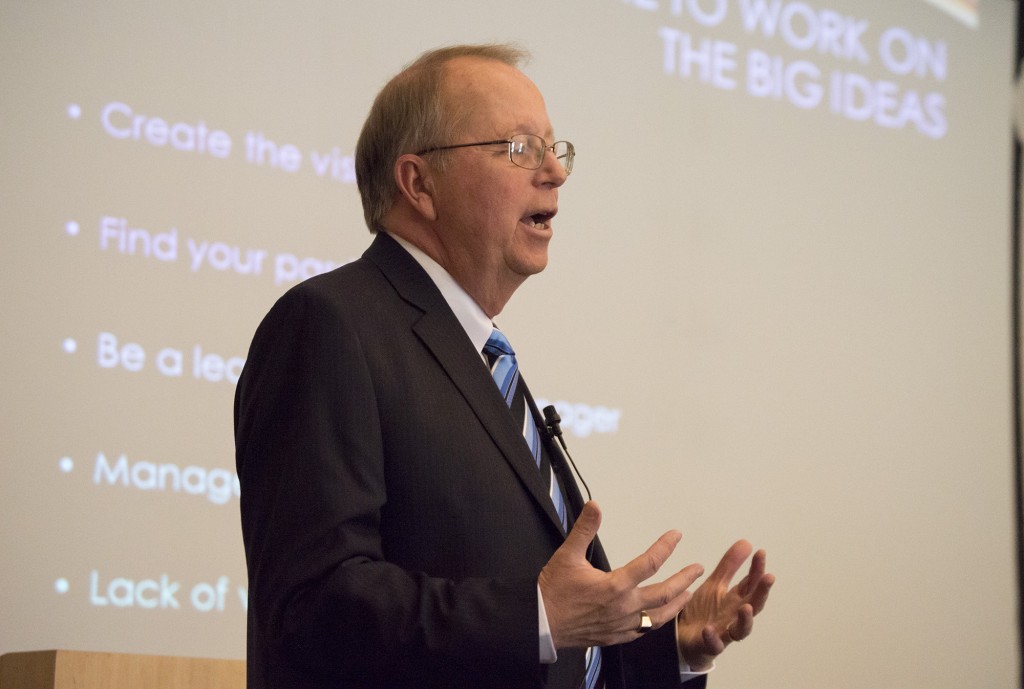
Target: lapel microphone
553	422
554	425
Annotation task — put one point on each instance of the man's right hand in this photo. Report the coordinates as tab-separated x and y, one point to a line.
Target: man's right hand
588	607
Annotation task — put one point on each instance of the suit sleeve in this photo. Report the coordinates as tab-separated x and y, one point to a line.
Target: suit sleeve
651	662
323	597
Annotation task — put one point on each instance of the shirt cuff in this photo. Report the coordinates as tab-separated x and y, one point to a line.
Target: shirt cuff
685	673
548	654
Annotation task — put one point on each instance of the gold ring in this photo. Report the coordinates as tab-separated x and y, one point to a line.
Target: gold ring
646	624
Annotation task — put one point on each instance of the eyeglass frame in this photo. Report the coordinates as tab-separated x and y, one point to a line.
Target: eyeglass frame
570	150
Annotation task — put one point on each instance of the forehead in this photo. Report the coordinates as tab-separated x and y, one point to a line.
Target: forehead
495	99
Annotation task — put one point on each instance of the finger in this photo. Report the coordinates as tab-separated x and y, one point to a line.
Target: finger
583	531
672	591
663	608
664	601
645	565
741	627
713	643
760	595
757	565
670	611
731	562
750	582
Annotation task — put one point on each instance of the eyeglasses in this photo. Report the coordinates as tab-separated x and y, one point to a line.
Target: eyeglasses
525	150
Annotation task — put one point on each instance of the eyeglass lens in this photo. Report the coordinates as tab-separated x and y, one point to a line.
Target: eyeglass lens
527	150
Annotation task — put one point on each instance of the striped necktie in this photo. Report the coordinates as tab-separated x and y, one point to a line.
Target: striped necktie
505	371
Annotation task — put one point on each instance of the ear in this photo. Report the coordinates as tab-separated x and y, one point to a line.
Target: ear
415	180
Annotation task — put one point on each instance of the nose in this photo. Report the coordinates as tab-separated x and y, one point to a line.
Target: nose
551	172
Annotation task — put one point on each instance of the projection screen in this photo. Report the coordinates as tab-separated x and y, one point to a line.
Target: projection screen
777	305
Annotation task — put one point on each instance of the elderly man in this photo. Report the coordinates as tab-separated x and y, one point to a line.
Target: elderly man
407	521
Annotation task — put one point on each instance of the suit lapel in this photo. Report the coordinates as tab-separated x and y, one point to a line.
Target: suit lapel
441	333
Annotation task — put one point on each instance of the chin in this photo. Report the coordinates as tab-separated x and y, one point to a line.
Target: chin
536	261
527	266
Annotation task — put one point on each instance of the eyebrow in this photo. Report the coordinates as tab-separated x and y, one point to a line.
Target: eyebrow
548	136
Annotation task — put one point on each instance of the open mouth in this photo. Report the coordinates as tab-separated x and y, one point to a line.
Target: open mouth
539	220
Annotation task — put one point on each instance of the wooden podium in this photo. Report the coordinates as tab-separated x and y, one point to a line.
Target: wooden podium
88	670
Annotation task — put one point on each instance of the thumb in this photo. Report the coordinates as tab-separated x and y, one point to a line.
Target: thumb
584	530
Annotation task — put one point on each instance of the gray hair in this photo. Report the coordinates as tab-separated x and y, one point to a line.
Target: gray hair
409	115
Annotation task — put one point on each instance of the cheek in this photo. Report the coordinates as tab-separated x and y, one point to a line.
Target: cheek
491	206
499	219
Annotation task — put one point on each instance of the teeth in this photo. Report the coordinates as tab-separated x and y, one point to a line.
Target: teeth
540	220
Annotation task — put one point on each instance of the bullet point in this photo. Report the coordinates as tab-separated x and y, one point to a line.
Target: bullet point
70	346
66	464
74	111
71	228
61	585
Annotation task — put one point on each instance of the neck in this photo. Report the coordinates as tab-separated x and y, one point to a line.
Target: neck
491	293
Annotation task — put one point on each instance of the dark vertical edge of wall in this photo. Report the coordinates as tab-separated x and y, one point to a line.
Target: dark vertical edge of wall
1015	317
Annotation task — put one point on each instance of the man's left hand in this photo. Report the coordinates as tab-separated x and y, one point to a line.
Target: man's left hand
717	615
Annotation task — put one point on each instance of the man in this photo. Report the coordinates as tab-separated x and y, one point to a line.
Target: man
399	530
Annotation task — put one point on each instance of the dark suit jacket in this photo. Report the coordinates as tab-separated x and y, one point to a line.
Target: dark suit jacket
394	520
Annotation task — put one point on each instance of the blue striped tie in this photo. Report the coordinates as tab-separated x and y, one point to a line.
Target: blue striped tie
505	371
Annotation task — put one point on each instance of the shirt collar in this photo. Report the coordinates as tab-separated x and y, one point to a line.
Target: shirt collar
469	314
